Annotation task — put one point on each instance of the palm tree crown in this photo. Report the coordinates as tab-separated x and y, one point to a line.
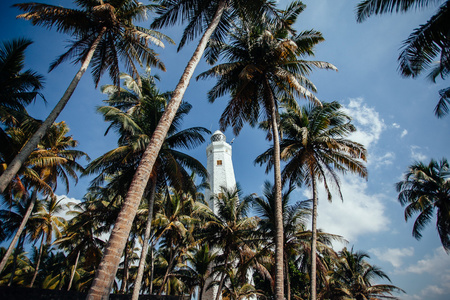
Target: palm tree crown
424	190
426	43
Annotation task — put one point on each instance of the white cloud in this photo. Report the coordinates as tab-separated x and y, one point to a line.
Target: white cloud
392	255
359	213
367	121
395	125
416	154
404	132
438	263
385	160
67	203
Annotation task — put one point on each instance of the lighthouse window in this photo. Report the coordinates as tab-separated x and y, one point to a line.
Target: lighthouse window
219	162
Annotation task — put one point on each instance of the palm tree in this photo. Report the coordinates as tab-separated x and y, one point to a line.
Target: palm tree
264	68
46	225
200	14
134	112
296	237
197	269
53	159
229	230
352	278
11	220
81	237
315	147
424	190
423	45
104	34
19	87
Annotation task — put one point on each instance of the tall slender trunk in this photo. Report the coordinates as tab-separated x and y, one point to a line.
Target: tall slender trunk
19	230
16	253
72	275
140	273
222	279
279	242
125	271
314	240
32	143
169	267
41	248
288	279
106	272
152	265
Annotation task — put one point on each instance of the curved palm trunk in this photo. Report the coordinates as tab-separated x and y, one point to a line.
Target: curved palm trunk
140	273
32	143
19	230
166	275
219	289
16	253
108	267
314	240
152	266
72	275
41	248
279	243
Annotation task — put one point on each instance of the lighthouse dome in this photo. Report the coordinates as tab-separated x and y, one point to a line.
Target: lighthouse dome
218	136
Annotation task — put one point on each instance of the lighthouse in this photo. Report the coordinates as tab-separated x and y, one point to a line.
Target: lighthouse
220	168
220	175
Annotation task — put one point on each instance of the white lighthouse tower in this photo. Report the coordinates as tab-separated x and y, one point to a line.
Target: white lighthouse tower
220	175
220	168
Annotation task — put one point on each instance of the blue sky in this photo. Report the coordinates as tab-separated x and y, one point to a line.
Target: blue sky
394	117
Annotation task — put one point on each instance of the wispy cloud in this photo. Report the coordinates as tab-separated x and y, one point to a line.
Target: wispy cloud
392	255
367	120
404	133
437	267
416	153
358	207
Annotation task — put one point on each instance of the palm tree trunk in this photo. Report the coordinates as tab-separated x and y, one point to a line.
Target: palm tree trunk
288	279
41	248
16	253
72	275
222	279
314	239
108	267
32	143
125	271
140	273
152	266
166	275
19	230
279	243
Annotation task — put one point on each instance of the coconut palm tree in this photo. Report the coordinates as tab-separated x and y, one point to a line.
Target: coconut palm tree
353	278
197	269
174	224
296	238
135	111
424	190
46	225
230	230
81	237
265	66
54	159
315	147
104	34
426	43
200	14
19	87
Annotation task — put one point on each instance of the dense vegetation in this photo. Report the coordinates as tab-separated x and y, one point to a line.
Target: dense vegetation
143	226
